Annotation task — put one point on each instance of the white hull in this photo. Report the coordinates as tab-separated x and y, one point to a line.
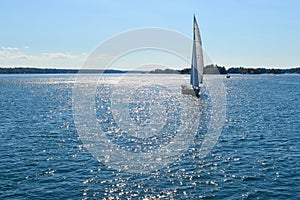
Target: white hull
190	91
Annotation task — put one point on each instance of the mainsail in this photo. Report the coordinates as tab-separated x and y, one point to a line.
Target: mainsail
197	64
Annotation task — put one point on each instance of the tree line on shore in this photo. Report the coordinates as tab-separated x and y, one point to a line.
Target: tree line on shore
20	70
209	69
215	69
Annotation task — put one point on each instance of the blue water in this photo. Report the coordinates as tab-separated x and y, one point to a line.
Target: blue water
257	155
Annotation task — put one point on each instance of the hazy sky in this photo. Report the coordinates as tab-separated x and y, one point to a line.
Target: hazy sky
62	33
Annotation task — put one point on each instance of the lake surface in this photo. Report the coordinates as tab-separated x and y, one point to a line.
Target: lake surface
47	150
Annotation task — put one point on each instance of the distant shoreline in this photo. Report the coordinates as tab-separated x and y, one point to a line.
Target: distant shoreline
215	69
209	69
21	70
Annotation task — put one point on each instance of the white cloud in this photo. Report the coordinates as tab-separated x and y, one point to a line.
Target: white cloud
59	56
9	49
15	57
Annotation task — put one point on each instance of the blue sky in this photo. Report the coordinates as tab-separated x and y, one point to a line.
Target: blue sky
61	33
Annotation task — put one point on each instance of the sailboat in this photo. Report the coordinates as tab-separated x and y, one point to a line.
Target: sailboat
197	65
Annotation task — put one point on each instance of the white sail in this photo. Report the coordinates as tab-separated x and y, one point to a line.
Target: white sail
199	53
